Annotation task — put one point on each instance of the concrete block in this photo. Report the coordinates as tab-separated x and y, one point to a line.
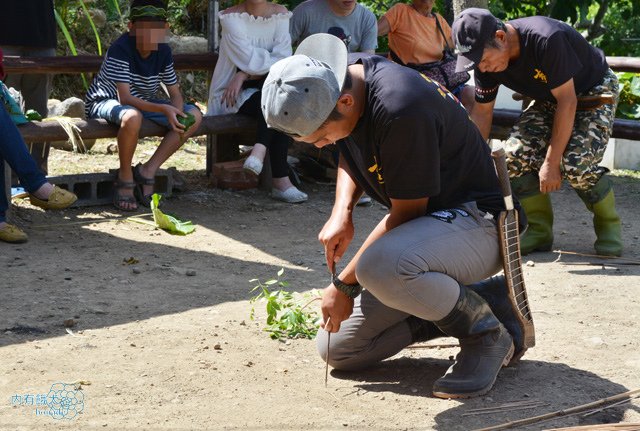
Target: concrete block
97	189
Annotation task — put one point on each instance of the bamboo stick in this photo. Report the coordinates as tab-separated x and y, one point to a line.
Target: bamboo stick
635	426
560	413
575	253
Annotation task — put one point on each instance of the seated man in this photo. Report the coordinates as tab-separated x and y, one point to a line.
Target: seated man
550	62
353	23
124	92
411	146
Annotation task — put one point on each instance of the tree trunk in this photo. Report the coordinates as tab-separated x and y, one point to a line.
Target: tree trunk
460	5
447	11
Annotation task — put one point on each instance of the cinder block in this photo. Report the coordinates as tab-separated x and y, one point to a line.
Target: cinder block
97	189
231	175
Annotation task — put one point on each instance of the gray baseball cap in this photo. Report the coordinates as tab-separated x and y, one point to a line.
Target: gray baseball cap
471	30
300	91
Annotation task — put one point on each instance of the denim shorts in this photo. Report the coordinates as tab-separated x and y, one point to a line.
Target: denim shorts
112	111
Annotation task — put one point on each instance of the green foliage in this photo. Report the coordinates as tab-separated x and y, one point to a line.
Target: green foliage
629	100
287	317
622	24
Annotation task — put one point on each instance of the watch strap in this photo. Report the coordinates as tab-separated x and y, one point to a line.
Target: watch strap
351	290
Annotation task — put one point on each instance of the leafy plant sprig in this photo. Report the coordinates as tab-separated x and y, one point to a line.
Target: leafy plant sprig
287	315
629	99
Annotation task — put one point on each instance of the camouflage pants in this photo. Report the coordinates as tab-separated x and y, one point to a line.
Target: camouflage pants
527	144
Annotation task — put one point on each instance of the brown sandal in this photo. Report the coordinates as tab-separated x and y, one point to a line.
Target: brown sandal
121	201
140	181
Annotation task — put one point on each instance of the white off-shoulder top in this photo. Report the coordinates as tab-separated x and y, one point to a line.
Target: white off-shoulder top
251	44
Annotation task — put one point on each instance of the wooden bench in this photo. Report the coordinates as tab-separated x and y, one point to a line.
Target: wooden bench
46	131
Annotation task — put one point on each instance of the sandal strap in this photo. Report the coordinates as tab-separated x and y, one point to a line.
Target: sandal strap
137	176
124	184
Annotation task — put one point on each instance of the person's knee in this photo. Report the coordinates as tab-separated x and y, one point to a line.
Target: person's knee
377	270
341	354
198	120
131	121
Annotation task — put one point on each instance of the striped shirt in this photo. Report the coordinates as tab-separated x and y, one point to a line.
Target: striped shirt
123	64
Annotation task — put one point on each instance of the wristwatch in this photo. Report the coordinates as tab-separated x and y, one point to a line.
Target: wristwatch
351	290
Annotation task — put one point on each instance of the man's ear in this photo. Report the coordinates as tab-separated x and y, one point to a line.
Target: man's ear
345	102
501	36
129	25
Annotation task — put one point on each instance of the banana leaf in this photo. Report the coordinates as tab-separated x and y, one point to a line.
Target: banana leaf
168	222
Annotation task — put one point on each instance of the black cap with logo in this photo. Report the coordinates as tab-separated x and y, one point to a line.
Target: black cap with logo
471	30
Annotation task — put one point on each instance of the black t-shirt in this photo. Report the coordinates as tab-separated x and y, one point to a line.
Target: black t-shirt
415	140
27	23
551	53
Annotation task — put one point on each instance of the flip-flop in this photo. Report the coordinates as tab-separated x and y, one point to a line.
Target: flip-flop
140	181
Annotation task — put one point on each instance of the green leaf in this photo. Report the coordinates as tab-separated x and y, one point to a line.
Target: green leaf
270	282
280	272
629	111
167	222
33	115
93	27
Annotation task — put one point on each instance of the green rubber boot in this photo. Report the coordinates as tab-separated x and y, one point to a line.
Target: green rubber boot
539	233
606	222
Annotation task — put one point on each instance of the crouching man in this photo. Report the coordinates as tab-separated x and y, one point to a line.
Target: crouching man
409	144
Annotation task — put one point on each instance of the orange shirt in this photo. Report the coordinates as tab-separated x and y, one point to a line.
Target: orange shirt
415	38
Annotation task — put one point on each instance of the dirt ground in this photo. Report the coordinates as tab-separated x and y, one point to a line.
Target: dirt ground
164	342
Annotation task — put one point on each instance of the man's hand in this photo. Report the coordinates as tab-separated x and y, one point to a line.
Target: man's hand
336	235
230	95
171	112
550	178
336	305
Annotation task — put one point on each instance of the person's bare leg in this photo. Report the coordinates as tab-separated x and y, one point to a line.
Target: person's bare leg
259	151
171	142
127	143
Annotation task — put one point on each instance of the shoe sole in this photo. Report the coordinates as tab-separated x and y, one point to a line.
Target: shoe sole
540	248
445	395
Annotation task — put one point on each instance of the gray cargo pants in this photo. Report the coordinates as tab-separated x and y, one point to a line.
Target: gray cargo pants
415	269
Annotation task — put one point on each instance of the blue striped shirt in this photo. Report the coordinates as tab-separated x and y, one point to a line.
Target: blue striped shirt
123	64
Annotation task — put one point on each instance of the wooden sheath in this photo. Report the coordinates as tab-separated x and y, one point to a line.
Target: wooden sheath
509	233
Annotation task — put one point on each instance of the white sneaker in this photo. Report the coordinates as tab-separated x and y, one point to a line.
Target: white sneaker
253	165
364	201
292	195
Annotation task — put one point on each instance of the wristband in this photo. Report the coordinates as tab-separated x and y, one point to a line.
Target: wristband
351	290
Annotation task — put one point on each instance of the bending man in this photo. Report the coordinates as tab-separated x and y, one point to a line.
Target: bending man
555	138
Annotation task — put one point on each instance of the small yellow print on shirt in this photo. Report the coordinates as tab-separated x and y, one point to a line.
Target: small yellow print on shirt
377	170
540	75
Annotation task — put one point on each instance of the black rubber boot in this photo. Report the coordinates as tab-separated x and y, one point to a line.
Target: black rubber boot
423	330
494	290
485	346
